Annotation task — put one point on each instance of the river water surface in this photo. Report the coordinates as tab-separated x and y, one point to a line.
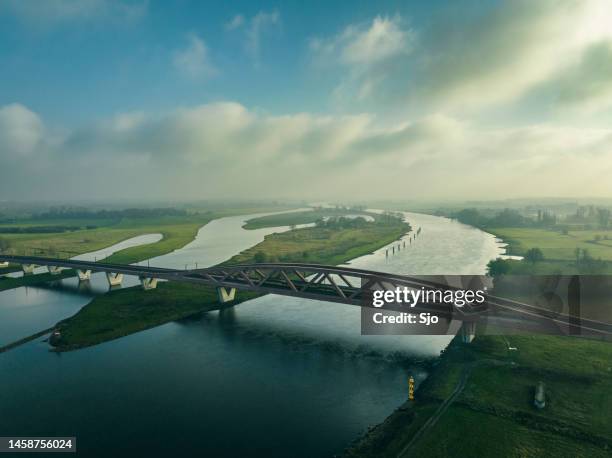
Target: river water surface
274	376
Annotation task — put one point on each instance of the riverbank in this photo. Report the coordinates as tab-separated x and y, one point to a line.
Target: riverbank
176	233
568	252
303	217
493	412
93	233
478	398
126	311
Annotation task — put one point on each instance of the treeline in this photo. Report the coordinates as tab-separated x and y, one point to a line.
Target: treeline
41	229
506	218
599	217
341	222
592	214
344	222
83	213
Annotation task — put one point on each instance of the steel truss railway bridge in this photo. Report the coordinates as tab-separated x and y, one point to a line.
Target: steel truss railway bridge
320	282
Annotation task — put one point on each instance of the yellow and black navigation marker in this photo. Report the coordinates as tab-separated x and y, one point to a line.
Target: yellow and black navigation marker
411	388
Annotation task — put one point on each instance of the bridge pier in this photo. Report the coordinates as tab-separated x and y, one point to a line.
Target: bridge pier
148	283
28	268
54	270
468	332
84	275
114	279
225	295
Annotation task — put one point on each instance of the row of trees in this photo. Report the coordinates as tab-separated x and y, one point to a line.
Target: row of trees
590	213
506	218
513	218
341	222
83	213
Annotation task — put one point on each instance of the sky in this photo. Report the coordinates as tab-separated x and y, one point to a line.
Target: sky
189	100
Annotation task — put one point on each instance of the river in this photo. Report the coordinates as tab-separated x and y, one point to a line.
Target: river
274	376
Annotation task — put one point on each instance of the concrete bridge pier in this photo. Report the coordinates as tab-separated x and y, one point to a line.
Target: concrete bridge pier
84	275
54	270
226	294
114	279
148	283
28	268
468	332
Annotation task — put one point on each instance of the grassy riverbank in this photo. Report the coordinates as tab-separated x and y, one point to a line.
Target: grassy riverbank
493	414
94	234
123	312
564	252
303	217
325	245
478	399
177	231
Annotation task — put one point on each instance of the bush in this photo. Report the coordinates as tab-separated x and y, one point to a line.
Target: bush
498	267
4	245
534	255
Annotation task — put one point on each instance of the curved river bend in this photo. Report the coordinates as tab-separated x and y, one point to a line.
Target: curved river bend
275	376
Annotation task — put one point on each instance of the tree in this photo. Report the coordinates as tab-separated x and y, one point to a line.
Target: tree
534	255
603	215
470	216
260	257
4	245
498	267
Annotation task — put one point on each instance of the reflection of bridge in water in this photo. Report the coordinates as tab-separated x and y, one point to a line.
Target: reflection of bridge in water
329	283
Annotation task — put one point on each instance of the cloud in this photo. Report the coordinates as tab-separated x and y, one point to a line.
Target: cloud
366	52
466	59
254	29
194	60
364	44
224	149
56	11
235	23
585	87
21	131
486	56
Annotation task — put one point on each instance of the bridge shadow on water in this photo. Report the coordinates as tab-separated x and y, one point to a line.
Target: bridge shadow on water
240	329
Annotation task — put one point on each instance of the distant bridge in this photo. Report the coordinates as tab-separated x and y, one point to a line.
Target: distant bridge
318	282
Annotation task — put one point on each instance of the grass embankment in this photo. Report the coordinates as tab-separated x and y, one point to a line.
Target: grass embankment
559	249
130	310
303	217
126	311
494	414
323	245
176	234
177	231
95	233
